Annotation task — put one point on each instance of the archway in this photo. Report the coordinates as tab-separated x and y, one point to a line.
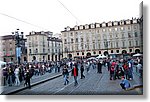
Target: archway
34	58
137	51
55	57
88	55
106	53
124	52
70	56
12	59
25	59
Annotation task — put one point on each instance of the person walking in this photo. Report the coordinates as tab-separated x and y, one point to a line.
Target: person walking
65	75
126	69
99	67
82	70
17	81
75	74
27	78
10	73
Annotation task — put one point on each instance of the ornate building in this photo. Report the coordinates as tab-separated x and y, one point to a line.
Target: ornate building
43	47
8	49
112	38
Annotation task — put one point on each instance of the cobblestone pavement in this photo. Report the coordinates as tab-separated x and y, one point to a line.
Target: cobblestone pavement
93	84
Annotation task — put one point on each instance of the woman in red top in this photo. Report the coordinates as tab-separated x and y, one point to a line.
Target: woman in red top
75	74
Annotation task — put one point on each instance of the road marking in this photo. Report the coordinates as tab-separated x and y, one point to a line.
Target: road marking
63	87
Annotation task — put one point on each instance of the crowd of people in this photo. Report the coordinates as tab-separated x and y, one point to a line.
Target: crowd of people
121	69
14	74
118	69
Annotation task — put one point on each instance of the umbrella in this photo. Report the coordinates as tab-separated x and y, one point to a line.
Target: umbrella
92	58
101	56
137	55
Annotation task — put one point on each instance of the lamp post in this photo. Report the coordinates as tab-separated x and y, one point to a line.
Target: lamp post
66	51
18	38
106	45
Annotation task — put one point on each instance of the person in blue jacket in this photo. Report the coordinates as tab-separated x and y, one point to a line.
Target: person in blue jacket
124	83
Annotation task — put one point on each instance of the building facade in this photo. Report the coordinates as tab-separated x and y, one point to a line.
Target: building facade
111	38
8	49
41	46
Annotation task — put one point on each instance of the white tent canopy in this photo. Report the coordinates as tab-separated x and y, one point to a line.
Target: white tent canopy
101	56
137	55
92	58
2	63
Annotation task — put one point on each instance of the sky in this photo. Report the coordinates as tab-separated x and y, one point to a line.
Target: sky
55	15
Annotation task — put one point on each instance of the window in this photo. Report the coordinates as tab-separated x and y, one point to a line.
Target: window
136	43
99	45
81	39
87	39
35	37
97	31
77	53
65	41
104	30
104	36
36	51
135	34
29	51
123	44
122	28
82	46
111	45
93	45
11	52
71	40
71	34
116	29
129	28
116	35
135	27
43	50
76	39
64	34
110	29
123	35
72	48
129	34
76	33
29	44
117	44
76	46
94	52
110	36
130	43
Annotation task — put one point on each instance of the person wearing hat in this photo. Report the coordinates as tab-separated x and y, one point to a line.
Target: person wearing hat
124	83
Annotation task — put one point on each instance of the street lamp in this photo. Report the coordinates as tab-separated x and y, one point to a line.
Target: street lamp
18	38
66	51
106	45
